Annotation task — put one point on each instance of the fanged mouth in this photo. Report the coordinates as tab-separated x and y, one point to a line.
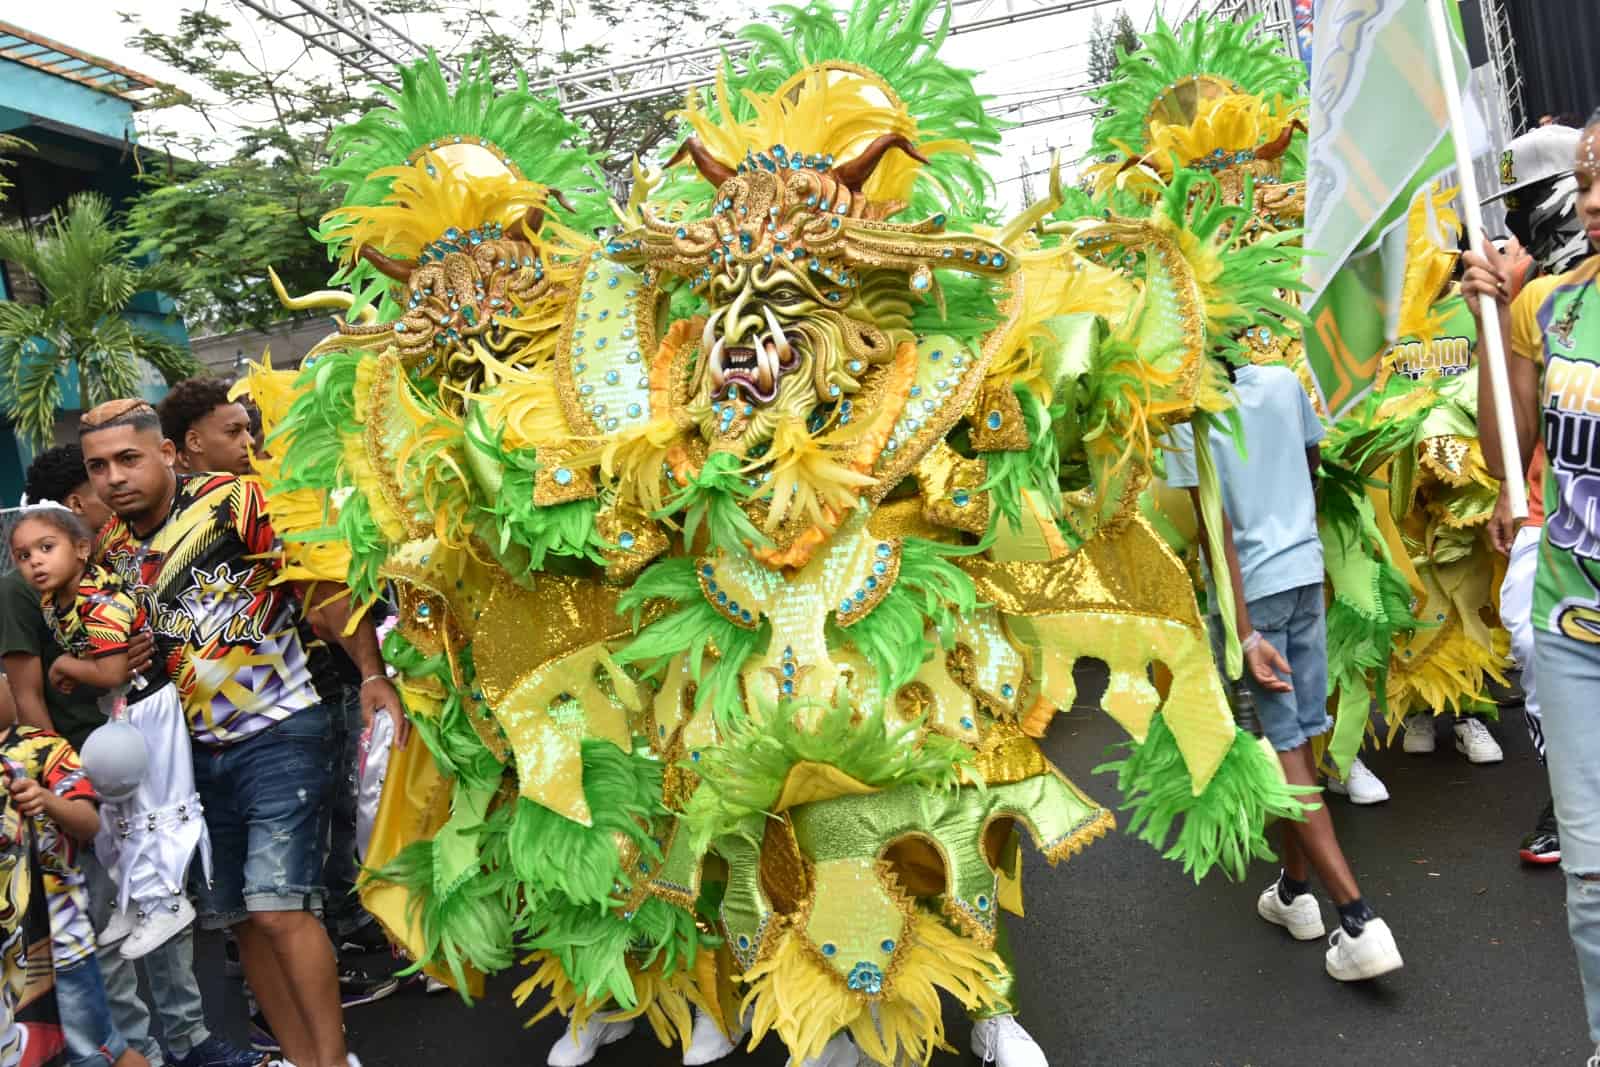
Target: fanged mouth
754	371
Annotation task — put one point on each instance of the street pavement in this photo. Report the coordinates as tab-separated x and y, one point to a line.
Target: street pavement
1125	961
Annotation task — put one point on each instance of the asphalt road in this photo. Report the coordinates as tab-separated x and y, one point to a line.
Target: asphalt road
1127	962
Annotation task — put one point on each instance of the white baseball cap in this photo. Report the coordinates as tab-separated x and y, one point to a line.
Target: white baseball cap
1537	156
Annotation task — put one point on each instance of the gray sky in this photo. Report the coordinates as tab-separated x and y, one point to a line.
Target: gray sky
1028	61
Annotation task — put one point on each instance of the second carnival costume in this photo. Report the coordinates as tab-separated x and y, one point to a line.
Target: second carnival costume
741	556
1403	494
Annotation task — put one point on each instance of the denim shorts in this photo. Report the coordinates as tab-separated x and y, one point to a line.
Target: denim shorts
265	799
85	1011
1295	624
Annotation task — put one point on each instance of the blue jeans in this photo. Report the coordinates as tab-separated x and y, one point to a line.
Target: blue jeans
169	970
1293	622
339	872
264	799
1569	679
92	1038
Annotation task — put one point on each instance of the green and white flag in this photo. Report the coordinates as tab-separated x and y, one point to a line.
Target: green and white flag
1379	138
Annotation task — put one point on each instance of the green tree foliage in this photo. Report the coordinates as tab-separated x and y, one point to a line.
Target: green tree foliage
81	261
254	200
9	143
1108	42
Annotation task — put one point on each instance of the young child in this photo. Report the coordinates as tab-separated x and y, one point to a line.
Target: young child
48	808
147	840
1274	564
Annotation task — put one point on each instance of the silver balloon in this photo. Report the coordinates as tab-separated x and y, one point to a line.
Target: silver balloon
115	759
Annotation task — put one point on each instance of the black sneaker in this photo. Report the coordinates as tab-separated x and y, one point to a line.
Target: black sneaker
215	1052
261	1038
1543	846
367	938
357	986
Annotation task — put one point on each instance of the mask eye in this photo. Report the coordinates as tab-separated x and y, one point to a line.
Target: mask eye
786	294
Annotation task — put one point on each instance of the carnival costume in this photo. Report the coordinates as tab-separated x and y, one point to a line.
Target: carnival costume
740	557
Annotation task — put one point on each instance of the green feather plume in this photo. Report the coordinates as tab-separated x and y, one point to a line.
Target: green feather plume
1037	468
711	497
1228	49
695	628
1223	826
930	590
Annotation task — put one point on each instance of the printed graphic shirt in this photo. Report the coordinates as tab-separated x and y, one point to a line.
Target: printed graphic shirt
105	613
228	634
1555	322
49	760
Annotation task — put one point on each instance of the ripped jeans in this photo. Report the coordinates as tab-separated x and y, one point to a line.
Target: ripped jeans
264	802
1569	678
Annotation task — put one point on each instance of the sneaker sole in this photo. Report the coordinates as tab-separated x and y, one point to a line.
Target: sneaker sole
1373	968
373	995
1539	859
1411	751
1300	932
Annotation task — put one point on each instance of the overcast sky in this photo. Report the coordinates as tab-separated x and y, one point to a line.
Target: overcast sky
1027	61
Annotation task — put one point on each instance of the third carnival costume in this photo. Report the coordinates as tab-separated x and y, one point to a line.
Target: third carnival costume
741	556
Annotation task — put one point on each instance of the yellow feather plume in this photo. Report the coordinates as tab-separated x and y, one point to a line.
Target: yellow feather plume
426	199
792	994
664	1002
829	109
807	476
1432	229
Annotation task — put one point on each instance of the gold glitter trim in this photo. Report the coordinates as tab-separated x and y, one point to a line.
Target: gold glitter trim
943	473
875	586
996	420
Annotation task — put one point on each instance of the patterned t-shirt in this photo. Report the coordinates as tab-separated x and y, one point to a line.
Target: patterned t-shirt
227	632
1448	354
1555	322
49	760
105	614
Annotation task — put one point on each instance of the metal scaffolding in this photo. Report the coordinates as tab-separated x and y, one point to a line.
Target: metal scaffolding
348	30
1503	61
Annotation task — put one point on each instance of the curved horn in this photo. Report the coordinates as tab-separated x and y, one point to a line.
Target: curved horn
854	174
398	269
710	167
533	218
1280	144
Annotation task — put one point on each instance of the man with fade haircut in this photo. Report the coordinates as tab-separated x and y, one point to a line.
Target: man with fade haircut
226	629
209	431
26	650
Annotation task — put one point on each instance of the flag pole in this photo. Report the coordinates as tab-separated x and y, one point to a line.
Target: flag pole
1494	341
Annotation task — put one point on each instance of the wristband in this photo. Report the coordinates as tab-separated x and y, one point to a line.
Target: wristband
374	678
1251	640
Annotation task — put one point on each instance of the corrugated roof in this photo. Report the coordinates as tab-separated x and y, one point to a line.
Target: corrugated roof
53	57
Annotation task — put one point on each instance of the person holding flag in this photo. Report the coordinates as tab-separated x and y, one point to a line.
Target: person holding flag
1553	327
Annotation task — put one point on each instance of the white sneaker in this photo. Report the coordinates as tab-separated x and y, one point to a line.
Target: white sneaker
1474	741
1362	786
161	925
578	1047
1002	1041
840	1051
708	1043
1302	917
1353	959
121	924
1419	734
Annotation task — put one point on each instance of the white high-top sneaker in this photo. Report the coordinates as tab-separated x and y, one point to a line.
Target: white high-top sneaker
1474	741
579	1046
160	925
1353	959
1002	1041
1361	787
840	1051
1419	738
708	1043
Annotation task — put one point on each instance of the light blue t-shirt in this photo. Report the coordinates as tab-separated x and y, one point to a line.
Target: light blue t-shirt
1268	497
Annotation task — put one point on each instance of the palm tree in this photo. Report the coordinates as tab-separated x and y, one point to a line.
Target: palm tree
9	143
81	262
